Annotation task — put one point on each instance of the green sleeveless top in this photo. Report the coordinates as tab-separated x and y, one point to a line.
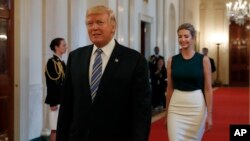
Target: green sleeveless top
187	74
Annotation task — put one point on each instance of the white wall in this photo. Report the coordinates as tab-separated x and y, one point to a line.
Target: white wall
91	3
35	69
78	36
160	18
122	15
28	64
139	8
191	12
56	23
171	22
21	55
172	46
36	23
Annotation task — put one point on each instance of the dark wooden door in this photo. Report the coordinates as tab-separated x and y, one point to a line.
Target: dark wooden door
239	47
143	27
6	71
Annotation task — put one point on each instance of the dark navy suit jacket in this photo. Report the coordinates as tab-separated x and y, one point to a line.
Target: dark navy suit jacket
121	110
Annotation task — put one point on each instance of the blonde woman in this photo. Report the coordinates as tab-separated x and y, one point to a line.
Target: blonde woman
189	91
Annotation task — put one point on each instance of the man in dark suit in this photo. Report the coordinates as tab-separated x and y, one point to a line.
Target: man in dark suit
205	52
154	58
107	88
157	97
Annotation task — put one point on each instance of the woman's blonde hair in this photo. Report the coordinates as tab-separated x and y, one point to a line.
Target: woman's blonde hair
189	27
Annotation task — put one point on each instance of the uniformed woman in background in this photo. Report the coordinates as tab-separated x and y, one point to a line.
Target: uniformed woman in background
55	76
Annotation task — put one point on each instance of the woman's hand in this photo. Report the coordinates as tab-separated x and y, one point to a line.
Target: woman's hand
209	122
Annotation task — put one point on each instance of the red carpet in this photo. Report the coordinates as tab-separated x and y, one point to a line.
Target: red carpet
231	106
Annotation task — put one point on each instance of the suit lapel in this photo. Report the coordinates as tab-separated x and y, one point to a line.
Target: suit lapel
88	60
84	67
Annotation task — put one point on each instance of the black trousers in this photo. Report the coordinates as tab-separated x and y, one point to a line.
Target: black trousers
158	96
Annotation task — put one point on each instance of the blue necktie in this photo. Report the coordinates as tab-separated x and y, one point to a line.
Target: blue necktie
96	74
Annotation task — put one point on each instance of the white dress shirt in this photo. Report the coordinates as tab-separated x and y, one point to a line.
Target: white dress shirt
106	53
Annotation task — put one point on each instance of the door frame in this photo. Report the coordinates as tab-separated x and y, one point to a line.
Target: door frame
9	83
232	44
148	35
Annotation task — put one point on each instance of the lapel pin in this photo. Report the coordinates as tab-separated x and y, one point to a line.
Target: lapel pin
116	60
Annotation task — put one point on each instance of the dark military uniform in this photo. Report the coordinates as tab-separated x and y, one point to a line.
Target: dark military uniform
54	73
158	82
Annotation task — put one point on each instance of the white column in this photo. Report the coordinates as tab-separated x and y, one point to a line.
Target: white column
78	35
91	3
56	22
35	70
122	18
165	29
21	97
160	27
132	24
181	10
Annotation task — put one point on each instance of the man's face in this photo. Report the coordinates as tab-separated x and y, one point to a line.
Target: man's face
204	52
156	50
100	29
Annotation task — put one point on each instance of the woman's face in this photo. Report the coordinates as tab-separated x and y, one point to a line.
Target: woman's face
185	38
62	47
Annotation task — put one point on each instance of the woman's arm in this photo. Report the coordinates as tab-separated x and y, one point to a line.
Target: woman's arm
208	91
170	84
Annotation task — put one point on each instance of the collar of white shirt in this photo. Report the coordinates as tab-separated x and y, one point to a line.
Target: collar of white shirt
157	55
107	50
61	59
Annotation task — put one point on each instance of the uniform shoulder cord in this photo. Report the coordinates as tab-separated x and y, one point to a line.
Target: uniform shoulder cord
59	70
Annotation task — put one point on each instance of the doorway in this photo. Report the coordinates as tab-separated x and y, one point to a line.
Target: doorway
6	70
145	39
239	50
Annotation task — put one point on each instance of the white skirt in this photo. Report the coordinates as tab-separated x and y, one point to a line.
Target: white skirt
186	116
53	116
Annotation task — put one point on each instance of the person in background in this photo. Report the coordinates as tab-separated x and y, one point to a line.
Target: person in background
55	76
205	52
154	58
159	83
107	93
189	91
155	73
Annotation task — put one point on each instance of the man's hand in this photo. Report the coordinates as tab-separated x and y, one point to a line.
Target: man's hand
53	108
